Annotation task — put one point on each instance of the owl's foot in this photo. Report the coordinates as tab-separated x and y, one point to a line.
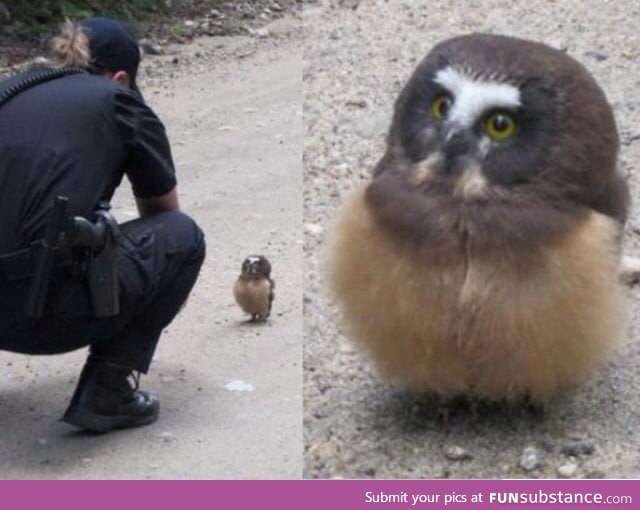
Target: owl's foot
533	408
467	407
443	413
256	317
433	408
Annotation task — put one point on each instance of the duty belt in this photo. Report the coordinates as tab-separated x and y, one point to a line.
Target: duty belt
96	239
20	265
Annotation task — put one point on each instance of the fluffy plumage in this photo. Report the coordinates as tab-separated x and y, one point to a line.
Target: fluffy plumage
480	267
254	288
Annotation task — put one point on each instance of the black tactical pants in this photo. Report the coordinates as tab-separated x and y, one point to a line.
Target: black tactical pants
158	262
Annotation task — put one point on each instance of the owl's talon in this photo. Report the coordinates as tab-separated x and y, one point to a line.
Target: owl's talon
474	409
443	415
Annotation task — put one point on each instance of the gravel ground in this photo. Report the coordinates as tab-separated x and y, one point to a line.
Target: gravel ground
180	22
230	392
357	56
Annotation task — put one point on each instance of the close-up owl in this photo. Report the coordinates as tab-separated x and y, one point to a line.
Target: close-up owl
254	288
481	257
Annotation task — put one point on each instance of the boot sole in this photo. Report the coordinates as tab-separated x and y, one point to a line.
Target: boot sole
101	423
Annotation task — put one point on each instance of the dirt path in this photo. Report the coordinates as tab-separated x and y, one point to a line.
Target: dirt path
230	392
357	56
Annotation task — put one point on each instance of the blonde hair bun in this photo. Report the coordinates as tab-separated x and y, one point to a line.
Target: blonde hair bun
70	48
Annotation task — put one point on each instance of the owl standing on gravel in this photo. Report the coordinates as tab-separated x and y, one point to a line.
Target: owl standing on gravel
481	259
254	288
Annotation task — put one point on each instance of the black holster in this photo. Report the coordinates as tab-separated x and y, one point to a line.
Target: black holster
96	239
100	240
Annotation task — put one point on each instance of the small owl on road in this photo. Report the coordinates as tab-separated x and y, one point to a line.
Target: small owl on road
254	288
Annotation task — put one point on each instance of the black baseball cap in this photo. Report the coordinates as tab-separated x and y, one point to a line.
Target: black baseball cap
113	47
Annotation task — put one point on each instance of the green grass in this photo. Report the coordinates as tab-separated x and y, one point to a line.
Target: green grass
177	30
44	12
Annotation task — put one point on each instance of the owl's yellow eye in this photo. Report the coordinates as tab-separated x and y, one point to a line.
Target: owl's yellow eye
441	106
500	126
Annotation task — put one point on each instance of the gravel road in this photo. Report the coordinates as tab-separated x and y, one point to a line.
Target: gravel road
357	56
230	392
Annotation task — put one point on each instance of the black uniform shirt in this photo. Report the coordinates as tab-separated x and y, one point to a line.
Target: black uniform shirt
75	136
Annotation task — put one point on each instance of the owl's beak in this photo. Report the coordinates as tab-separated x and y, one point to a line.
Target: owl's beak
459	146
459	142
458	158
462	161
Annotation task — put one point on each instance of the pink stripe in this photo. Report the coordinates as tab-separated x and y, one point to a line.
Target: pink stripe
314	495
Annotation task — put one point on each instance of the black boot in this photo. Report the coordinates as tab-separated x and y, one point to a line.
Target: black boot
105	399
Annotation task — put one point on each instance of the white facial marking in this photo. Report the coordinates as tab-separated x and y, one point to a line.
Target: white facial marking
472	97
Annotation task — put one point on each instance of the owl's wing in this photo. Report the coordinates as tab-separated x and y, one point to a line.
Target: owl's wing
614	199
272	294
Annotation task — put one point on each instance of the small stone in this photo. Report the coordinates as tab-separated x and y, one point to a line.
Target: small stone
598	56
260	33
596	474
151	48
567	470
357	103
239	386
457	453
559	45
167	437
314	229
532	458
578	447
629	137
175	60
323	450
42	441
189	23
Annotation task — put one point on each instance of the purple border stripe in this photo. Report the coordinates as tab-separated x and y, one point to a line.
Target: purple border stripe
319	495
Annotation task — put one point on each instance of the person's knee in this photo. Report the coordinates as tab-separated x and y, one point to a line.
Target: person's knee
186	236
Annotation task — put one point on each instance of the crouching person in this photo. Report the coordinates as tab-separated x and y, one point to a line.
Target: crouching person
74	130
